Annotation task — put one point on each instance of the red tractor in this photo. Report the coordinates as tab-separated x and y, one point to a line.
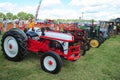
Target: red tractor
80	36
16	44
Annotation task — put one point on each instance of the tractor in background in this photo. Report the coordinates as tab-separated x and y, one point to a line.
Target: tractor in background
117	22
79	37
95	35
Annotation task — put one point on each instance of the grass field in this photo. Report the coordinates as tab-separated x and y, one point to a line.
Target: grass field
101	63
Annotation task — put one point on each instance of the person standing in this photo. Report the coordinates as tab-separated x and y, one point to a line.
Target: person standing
31	24
110	28
20	24
4	24
115	29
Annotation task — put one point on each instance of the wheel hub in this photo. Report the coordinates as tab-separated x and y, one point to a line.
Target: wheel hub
94	43
11	46
50	62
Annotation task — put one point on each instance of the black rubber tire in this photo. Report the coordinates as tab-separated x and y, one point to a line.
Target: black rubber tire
82	50
87	46
57	59
21	42
20	32
97	41
102	39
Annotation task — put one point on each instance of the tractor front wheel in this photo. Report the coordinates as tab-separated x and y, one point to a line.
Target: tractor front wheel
95	43
51	62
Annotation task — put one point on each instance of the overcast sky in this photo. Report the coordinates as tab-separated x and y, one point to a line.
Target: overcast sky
65	9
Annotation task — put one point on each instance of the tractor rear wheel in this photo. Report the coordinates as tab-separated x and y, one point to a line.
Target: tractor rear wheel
95	43
20	32
51	62
14	45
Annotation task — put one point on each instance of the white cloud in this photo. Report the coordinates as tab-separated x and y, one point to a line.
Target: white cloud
93	2
54	9
98	9
59	13
14	8
27	9
7	7
50	3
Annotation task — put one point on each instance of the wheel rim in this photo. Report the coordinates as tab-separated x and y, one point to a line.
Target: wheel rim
50	63
94	43
10	46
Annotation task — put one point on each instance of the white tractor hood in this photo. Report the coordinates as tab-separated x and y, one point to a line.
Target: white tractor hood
54	35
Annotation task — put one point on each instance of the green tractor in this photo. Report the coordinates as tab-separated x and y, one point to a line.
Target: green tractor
94	35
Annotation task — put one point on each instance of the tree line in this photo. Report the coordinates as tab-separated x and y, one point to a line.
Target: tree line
24	16
20	15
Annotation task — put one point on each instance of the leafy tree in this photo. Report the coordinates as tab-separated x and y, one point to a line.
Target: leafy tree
22	15
111	20
9	15
2	15
15	17
29	15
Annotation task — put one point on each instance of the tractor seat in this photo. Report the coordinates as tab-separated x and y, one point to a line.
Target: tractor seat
31	34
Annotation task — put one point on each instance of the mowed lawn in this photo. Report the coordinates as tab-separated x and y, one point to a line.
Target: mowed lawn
101	63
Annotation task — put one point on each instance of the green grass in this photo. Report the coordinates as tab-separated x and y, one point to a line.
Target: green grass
101	63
